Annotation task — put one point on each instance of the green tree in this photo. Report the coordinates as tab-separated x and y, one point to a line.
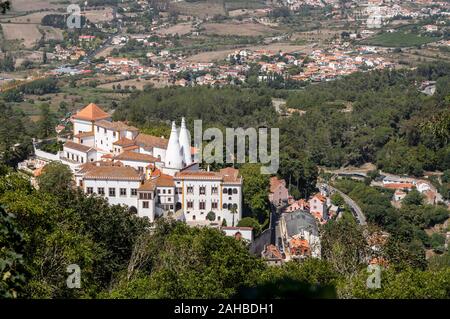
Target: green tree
55	178
250	222
46	122
414	197
12	272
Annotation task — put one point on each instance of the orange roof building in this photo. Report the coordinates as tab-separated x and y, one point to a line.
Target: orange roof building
92	112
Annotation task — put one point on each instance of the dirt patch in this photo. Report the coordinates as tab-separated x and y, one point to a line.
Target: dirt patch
242	29
99	15
274	47
27	33
52	33
180	29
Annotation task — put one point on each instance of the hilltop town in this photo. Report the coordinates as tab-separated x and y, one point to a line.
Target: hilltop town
100	167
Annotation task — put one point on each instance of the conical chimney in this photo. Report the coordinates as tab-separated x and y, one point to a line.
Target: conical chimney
185	143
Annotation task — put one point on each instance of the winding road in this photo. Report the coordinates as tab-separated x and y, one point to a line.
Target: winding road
357	212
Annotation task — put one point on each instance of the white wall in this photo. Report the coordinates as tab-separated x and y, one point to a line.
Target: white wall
246	233
78	156
106	184
81	126
105	138
209	198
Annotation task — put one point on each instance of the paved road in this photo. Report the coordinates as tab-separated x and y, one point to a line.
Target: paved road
357	212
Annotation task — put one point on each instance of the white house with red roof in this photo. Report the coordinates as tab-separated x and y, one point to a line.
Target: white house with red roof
151	175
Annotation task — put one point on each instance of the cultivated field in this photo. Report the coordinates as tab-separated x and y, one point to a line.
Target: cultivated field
99	15
180	29
242	29
31	5
199	9
399	39
35	17
27	33
274	47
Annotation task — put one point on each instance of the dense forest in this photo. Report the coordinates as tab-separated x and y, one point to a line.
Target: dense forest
43	231
378	117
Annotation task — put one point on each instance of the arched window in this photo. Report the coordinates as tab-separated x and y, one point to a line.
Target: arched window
230	191
235	206
235	191
193	217
229	206
224	206
225	190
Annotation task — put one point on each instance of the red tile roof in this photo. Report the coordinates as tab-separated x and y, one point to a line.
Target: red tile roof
146	140
123	141
148	185
134	156
77	147
275	182
112	172
399	186
92	112
84	134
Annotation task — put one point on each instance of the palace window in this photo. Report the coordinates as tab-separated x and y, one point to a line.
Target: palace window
89	190
235	191
214	190
101	191
145	195
112	192
202	205
134	192
190	189
202	190
190	204
123	192
164	191
214	205
145	204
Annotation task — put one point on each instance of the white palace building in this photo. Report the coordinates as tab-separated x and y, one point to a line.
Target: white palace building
153	176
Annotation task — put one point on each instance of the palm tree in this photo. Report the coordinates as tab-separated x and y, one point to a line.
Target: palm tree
233	211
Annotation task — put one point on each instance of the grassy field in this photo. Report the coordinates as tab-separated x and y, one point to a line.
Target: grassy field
241	29
199	9
399	39
27	33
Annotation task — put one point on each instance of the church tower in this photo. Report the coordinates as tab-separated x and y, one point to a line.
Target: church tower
174	158
185	143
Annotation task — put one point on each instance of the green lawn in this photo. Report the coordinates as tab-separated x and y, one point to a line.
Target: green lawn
399	39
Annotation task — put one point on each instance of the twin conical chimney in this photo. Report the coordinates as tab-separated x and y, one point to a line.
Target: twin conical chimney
174	158
185	143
